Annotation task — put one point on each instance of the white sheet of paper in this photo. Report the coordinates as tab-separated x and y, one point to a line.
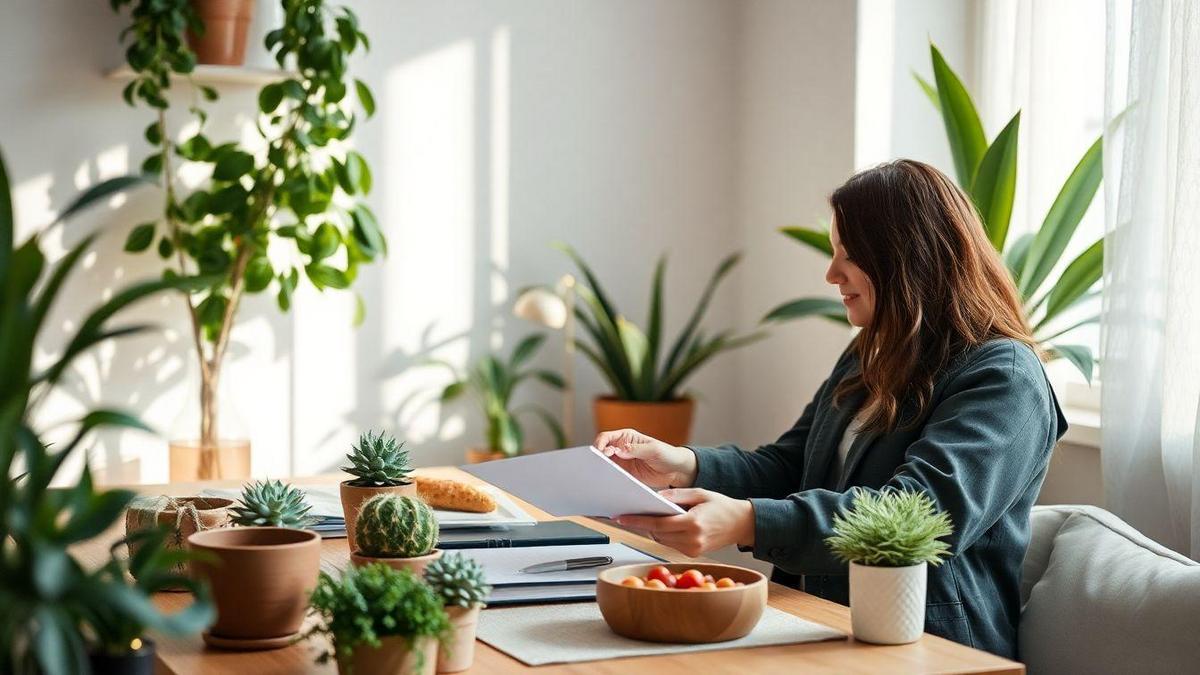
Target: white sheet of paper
574	482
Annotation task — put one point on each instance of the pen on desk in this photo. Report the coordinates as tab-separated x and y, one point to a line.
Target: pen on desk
569	564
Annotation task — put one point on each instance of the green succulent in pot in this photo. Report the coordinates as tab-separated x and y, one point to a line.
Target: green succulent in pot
396	526
494	381
987	172
891	529
458	580
377	460
273	503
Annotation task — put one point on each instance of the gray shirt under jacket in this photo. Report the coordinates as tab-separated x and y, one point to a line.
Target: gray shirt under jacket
980	453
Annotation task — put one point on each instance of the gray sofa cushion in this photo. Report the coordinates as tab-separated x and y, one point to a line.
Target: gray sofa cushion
1099	597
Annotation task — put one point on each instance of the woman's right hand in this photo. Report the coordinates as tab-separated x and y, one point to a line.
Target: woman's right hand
651	461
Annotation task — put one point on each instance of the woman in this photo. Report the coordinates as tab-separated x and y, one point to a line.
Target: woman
941	391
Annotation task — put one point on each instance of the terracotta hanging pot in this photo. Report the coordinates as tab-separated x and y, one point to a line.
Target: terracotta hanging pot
354	496
261	578
393	655
460	653
226	23
184	516
668	421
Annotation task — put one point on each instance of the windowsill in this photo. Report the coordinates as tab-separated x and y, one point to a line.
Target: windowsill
1083	427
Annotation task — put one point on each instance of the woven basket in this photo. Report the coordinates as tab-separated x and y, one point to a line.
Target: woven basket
185	516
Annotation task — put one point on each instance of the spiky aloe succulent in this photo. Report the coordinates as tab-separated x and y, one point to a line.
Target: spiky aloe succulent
395	526
272	503
458	581
378	461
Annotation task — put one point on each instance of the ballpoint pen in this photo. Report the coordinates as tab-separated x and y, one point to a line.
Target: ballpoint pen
569	564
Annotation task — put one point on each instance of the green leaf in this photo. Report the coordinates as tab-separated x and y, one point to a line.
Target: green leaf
637	348
550	379
325	242
101	513
1061	220
816	239
1015	258
360	310
828	308
270	97
140	238
1079	356
209	93
963	128
153	134
88	197
526	349
7	226
232	166
453	391
649	365
366	231
358	172
258	274
152	165
1076	279
930	91
165	247
995	183
365	97
323	276
294	90
689	329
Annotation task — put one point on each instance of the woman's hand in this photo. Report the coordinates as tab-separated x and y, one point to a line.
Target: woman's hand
714	521
648	459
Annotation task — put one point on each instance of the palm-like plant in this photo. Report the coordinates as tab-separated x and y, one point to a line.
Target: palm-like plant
55	610
628	358
493	381
988	173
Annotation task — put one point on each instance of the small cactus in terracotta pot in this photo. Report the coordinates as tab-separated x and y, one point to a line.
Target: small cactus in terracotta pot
397	530
380	465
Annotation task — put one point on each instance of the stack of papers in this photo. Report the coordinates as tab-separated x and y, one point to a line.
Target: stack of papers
502	570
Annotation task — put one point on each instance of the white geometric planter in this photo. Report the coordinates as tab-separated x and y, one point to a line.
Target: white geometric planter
887	604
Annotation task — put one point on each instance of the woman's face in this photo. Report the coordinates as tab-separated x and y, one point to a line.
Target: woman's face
858	294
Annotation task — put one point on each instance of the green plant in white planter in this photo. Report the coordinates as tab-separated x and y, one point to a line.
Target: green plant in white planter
459	582
889	539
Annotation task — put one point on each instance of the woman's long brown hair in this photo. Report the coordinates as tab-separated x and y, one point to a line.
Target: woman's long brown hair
940	287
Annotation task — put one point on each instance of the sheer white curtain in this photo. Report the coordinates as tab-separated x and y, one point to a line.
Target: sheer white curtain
1150	332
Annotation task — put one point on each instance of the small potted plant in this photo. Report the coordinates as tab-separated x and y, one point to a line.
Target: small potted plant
397	530
379	620
889	539
493	382
380	466
458	581
262	571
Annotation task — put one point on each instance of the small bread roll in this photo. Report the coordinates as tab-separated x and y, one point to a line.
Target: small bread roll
441	493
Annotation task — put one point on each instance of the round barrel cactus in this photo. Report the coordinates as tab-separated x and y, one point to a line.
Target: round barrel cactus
395	526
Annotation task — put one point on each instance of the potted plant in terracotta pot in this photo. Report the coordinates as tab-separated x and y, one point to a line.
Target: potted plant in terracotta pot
458	581
380	466
219	34
398	531
493	381
261	572
379	621
646	388
889	538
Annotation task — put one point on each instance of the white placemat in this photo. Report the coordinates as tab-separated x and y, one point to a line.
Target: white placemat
540	634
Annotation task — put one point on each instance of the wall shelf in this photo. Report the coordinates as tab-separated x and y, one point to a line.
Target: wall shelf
209	74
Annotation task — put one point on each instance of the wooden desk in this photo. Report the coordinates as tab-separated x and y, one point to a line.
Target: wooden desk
928	655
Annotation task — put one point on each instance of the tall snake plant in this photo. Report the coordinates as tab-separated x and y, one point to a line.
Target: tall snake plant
988	173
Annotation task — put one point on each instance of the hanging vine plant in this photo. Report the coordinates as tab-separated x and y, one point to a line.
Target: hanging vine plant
296	193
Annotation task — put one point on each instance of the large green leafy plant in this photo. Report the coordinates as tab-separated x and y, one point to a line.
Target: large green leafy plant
55	610
988	173
894	528
297	191
630	359
493	381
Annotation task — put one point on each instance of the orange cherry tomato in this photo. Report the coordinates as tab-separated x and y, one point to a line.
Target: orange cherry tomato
633	582
689	579
656	584
708	586
725	582
662	574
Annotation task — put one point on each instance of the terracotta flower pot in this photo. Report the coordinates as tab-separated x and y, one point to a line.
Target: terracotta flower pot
417	565
668	421
481	455
460	653
261	578
185	516
353	497
393	656
225	25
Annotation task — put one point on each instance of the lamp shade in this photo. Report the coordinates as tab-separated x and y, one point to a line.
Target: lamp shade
541	306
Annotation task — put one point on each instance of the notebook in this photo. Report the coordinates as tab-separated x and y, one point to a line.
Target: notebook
502	570
549	533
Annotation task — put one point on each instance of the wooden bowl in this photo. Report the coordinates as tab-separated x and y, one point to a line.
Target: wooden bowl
681	616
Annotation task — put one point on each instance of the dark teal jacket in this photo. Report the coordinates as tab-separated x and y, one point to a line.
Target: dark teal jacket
980	453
